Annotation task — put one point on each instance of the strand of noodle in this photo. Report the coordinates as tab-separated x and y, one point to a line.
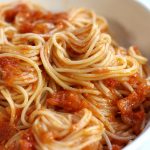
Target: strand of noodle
39	82
98	114
105	90
25	95
114	73
84	62
53	117
107	141
120	138
128	86
87	70
42	91
139	58
2	36
7	96
12	139
66	145
49	69
84	121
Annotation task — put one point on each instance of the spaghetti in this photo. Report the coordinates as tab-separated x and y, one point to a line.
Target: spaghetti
65	84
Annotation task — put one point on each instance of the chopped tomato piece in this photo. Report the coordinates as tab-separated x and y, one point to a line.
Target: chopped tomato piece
116	147
11	13
136	80
2	147
6	131
68	100
138	118
27	141
28	20
9	69
128	104
112	83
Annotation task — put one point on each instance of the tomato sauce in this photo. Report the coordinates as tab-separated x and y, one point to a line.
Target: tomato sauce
135	80
136	49
2	147
18	115
116	147
101	71
27	141
9	69
93	146
11	13
6	131
130	103
112	83
29	20
67	100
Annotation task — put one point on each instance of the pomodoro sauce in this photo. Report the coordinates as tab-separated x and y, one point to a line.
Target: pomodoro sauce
27	20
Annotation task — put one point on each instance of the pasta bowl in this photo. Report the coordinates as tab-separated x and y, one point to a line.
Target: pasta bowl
129	23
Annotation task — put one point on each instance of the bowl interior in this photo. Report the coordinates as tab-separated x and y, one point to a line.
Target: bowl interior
129	21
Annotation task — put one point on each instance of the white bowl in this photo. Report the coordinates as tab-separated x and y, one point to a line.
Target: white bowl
130	21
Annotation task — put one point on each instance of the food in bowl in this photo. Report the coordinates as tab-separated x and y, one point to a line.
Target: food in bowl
66	84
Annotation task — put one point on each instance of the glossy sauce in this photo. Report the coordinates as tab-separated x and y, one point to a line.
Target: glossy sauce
8	69
6	131
67	100
131	102
28	20
116	147
112	83
135	80
101	71
27	141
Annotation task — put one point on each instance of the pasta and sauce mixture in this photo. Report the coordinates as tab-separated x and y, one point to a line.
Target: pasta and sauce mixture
65	84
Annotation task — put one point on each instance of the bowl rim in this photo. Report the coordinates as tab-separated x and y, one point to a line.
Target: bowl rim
144	136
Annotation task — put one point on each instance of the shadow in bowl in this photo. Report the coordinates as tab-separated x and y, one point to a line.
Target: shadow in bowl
121	35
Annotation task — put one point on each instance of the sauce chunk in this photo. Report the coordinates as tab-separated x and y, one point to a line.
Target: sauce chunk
67	100
6	131
130	103
28	20
27	141
9	69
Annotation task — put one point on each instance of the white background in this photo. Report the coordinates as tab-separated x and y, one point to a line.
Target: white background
145	2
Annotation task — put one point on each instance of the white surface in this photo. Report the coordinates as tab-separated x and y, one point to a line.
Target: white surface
145	2
130	20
